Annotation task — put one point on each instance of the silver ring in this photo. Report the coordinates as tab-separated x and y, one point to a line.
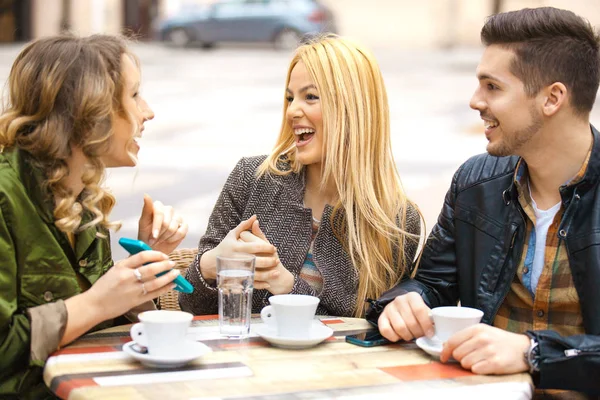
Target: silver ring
138	274
144	291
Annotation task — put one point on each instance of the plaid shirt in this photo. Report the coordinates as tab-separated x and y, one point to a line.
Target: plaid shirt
555	303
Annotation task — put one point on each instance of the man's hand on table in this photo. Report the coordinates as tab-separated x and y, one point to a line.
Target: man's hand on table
486	350
406	318
483	349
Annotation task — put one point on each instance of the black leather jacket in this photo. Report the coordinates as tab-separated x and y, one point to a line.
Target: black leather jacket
473	252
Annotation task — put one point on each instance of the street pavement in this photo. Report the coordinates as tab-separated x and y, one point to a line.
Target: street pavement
214	107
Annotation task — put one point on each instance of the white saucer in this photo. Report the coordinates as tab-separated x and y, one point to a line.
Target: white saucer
192	351
430	346
318	333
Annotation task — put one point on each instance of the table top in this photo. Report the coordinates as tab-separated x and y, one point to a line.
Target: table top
94	367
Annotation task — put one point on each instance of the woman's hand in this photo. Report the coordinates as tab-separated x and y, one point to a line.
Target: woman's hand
130	283
270	273
232	244
160	226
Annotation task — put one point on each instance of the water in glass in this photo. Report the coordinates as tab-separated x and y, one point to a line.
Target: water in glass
235	301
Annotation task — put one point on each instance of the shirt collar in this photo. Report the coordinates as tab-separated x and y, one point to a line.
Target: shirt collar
521	176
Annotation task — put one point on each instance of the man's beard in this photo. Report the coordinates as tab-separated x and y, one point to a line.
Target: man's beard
510	144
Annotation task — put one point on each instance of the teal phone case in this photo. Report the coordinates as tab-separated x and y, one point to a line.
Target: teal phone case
134	246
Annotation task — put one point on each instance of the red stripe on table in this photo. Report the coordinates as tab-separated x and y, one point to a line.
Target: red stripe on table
205	317
87	350
431	371
65	388
332	321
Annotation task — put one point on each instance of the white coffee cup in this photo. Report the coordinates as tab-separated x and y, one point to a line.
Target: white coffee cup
290	314
449	320
162	332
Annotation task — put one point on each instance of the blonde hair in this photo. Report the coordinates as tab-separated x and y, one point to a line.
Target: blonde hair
63	91
371	211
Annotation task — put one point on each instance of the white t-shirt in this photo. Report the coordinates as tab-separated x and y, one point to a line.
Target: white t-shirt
543	220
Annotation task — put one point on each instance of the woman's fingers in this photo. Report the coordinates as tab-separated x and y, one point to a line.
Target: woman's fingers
256	231
163	218
149	272
143	257
180	234
248	237
157	283
266	275
158	216
254	248
171	231
266	262
261	285
243	226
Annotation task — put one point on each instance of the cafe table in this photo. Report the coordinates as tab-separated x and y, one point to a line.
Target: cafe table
95	367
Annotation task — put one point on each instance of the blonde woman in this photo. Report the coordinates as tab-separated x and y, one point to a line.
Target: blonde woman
325	212
74	108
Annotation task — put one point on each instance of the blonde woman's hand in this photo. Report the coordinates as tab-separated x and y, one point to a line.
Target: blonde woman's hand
270	273
232	244
160	226
130	283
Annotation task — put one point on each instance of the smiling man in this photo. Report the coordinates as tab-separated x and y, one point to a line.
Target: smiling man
519	234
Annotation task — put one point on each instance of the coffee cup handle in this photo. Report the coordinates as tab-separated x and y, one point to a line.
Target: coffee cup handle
137	334
267	315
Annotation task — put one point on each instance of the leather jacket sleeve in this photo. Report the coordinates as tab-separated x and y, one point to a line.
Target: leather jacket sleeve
436	278
579	355
567	363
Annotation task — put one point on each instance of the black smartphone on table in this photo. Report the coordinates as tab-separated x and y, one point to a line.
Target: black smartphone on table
367	339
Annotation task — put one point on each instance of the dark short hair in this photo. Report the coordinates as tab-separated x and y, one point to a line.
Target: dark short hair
551	45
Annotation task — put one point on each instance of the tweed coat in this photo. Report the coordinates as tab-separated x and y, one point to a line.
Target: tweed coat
278	203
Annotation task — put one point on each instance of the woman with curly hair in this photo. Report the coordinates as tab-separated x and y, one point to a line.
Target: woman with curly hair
74	109
334	220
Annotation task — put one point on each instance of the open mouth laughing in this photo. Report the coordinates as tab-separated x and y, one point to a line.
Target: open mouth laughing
303	135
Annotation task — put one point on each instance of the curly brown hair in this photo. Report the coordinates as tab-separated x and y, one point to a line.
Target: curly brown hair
62	92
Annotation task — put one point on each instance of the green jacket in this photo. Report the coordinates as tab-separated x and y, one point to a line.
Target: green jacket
37	267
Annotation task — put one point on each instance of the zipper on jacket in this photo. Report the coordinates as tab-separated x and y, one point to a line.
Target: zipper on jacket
512	244
575	352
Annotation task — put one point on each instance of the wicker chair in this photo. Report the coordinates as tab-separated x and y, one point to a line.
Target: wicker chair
183	258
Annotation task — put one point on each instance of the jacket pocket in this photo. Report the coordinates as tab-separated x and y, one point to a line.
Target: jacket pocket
490	254
490	276
43	289
583	241
479	221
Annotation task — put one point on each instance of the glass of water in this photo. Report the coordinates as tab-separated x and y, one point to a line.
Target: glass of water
235	281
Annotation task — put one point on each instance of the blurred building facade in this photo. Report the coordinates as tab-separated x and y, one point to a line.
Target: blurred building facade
22	20
434	23
376	23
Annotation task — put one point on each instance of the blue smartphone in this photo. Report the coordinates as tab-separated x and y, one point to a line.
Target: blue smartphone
134	246
367	339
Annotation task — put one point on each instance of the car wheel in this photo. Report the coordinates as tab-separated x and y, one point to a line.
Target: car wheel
287	39
179	37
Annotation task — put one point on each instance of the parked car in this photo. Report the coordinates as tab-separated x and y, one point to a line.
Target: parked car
281	22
